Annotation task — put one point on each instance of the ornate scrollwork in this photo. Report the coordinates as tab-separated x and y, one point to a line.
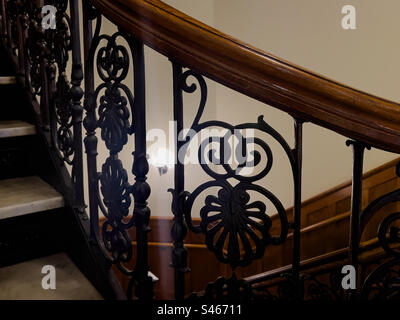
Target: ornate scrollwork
112	60
227	290
114	124
320	286
389	234
35	44
110	107
112	67
330	290
63	97
62	35
383	283
116	193
236	227
113	121
63	108
231	217
115	189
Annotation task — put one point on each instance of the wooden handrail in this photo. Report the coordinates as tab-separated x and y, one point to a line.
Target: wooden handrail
257	74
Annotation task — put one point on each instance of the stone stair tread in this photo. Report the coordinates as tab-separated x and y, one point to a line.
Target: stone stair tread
23	281
7	80
20	196
15	128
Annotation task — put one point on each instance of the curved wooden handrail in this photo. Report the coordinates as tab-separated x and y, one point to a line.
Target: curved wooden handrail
257	74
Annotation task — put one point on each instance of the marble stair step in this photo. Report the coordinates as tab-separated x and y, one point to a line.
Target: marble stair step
15	128
20	196
23	281
7	80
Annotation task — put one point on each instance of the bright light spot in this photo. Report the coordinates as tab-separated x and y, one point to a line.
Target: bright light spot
161	158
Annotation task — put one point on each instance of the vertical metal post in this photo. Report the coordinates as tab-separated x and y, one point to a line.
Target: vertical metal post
298	156
21	44
3	21
141	189
179	230
77	110
356	204
90	124
10	41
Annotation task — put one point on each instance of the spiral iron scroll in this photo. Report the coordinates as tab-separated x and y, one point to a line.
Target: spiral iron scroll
236	228
383	283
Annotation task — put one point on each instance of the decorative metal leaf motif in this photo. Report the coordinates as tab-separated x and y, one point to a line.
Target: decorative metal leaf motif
114	119
115	189
234	217
117	199
236	228
65	138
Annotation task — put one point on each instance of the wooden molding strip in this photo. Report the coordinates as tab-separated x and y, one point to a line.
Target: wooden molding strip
257	74
368	250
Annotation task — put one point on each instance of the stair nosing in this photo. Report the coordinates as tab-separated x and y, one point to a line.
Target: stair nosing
24	129
7	80
18	208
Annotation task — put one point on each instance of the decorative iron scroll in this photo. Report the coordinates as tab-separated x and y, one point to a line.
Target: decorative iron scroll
226	290
236	227
62	45
321	286
383	283
111	108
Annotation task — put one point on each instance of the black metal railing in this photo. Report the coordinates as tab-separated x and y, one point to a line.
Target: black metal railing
236	227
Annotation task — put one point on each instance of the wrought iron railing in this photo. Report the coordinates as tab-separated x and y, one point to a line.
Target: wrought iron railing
236	227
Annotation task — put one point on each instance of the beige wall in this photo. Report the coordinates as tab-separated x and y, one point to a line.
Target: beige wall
308	33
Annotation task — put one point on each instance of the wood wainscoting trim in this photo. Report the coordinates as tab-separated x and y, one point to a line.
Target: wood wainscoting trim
324	233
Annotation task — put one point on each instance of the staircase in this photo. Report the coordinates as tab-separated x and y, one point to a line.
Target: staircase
23	281
34	222
72	90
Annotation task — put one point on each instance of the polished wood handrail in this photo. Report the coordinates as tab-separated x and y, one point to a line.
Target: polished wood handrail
257	74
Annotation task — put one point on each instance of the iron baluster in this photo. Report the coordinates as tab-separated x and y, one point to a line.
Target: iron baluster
297	178
141	189
179	229
3	21
90	124
77	109
356	205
